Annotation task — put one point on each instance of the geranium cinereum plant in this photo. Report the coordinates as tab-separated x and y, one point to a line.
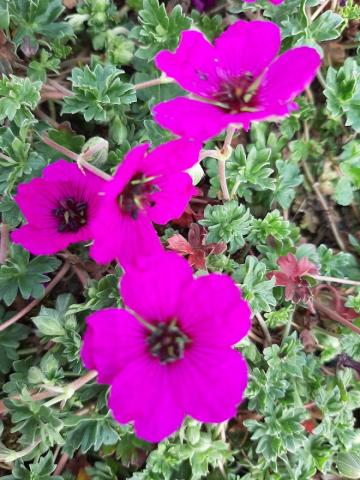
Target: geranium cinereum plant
59	208
171	353
148	186
237	80
197	286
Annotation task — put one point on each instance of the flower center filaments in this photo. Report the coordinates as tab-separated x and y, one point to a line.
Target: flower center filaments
137	195
71	215
238	94
167	342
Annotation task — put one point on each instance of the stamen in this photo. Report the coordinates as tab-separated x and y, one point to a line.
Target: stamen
136	196
238	94
71	215
167	342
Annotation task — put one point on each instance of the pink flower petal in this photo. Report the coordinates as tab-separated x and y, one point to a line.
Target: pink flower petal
171	157
247	47
39	198
161	280
63	171
118	236
36	199
132	164
223	371
193	64
289	75
40	241
144	392
116	331
174	194
191	118
215	301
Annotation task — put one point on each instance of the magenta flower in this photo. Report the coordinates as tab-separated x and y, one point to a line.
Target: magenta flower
235	81
181	363
59	208
147	187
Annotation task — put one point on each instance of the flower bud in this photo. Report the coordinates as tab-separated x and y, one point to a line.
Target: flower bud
96	150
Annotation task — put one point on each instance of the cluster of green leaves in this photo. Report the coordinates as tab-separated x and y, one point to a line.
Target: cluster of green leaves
283	381
97	92
33	19
158	30
343	92
24	275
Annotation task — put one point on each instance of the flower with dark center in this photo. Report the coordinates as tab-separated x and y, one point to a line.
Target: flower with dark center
171	353
71	215
148	186
237	95
167	342
137	195
59	208
237	80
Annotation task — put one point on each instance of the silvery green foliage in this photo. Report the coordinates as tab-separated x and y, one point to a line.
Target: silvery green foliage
68	71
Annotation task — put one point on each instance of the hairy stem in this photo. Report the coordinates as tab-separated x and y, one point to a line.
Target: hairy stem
222	178
153	83
336	317
82	162
324	205
264	328
62	272
70	387
344	281
222	162
4	243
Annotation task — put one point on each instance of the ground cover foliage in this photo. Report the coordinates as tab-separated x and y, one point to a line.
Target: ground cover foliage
73	82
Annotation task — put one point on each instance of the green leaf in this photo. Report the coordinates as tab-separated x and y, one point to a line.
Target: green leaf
42	469
98	93
344	194
35	421
327	26
272	225
10	339
278	318
228	223
38	18
159	30
343	92
348	464
255	286
287	179
18	97
22	275
90	433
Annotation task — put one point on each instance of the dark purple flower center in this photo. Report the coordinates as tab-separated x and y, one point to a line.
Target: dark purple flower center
238	94
167	342
71	215
137	195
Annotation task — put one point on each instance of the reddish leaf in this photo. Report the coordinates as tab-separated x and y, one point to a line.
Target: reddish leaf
290	276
